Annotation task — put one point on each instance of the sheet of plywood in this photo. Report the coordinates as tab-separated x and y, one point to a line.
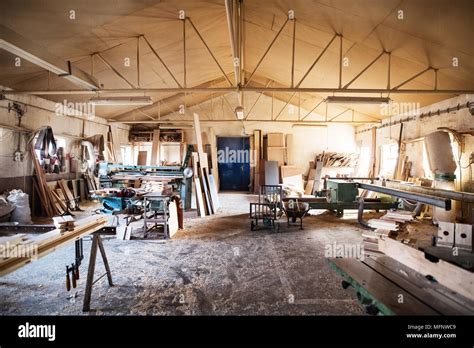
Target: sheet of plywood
199	198
308	189
275	140
295	181
276	154
213	190
289	149
287	171
198	133
173	225
195	161
449	275
272	176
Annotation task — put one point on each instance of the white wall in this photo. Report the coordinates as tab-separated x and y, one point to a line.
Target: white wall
307	141
459	120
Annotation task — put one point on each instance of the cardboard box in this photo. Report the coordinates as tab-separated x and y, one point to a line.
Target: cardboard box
276	154
275	140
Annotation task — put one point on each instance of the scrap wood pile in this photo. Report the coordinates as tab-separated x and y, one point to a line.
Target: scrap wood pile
21	249
56	198
90	180
337	159
391	222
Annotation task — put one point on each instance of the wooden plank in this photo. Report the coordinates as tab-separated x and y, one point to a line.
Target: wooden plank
449	275
67	193
198	133
289	149
214	195
257	152
75	189
215	165
308	189
205	190
155	148
195	162
173	225
317	178
193	195
199	198
431	293
180	212
52	240
385	293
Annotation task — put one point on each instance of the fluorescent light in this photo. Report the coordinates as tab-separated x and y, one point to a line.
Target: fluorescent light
19	52
121	101
239	112
358	100
309	125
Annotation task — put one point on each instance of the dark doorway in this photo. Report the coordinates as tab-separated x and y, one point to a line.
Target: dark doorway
233	156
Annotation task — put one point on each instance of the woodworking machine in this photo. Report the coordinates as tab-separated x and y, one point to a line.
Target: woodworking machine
340	194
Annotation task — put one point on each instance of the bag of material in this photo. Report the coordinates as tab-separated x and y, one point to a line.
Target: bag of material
22	212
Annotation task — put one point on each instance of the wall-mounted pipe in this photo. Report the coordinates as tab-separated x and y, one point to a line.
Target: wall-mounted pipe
418	197
448	194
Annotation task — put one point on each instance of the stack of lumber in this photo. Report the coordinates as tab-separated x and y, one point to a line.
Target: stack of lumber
153	186
336	159
90	181
48	201
398	216
371	241
64	223
383	224
50	241
391	220
205	189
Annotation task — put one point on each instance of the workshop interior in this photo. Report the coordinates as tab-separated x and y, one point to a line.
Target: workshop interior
236	158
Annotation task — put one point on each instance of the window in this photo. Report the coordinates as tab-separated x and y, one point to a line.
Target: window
389	158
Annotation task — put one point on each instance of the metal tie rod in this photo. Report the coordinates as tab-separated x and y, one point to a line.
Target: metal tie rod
418	197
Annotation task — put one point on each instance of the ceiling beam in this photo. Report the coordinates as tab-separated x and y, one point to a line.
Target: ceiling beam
241	89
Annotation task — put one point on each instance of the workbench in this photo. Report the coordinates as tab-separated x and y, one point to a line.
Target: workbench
387	287
54	239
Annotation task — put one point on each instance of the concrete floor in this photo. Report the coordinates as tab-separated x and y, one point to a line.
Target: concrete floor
215	266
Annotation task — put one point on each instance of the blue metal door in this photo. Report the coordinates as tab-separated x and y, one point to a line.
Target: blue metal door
233	157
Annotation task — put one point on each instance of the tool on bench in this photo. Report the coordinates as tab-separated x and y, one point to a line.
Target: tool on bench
73	269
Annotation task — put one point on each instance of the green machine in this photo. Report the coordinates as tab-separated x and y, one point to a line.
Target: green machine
341	194
341	191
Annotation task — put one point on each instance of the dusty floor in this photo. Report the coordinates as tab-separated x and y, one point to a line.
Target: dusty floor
215	266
